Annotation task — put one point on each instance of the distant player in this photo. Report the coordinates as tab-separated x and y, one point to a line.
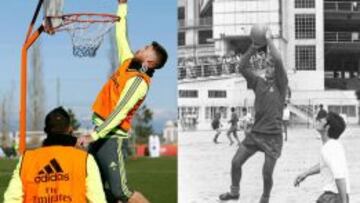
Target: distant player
266	133
321	113
332	165
286	120
246	121
233	126
216	124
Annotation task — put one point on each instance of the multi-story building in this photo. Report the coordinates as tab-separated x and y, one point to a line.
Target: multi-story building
319	42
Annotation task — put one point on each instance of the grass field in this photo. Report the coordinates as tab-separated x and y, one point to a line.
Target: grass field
155	178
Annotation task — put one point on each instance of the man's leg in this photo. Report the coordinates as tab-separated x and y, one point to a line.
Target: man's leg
229	137
216	136
108	155
236	137
240	157
267	172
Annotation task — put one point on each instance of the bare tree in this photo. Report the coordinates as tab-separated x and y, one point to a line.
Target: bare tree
36	93
5	121
113	52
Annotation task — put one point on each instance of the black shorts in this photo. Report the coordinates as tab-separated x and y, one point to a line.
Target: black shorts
330	197
267	143
215	125
232	129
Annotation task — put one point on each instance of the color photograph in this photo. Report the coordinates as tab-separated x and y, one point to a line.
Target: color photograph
88	101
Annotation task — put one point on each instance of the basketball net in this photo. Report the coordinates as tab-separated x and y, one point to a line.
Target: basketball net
87	30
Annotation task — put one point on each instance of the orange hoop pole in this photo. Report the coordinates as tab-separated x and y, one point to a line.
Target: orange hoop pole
23	87
29	40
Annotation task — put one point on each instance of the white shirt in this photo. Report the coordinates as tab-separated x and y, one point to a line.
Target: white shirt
286	114
333	165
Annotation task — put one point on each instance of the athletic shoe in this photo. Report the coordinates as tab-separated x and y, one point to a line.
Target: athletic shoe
228	196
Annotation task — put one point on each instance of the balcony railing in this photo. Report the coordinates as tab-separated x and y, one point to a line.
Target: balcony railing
182	23
341	6
341	37
205	71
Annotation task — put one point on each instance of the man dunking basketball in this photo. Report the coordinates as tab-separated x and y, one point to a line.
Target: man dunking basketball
115	106
266	133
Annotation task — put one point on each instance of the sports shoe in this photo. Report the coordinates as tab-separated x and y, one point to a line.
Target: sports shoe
229	196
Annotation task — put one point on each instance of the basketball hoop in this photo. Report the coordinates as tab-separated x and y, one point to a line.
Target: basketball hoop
86	30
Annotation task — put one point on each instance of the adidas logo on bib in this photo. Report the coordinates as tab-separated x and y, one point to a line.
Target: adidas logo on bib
51	172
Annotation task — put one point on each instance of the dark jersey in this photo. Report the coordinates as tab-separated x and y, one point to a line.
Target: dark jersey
269	96
234	119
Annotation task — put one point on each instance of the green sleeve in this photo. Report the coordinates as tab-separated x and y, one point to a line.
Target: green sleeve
94	188
123	46
14	193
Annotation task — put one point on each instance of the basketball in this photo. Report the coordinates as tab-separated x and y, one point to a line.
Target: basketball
258	34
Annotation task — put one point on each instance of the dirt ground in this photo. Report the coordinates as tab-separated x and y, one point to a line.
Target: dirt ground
204	168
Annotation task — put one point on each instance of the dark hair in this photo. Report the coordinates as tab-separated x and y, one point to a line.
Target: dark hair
161	54
336	123
321	106
57	121
244	109
232	109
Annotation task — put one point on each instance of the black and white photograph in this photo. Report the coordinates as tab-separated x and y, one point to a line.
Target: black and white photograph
268	101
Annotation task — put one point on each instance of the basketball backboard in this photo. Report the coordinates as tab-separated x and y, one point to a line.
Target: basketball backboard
53	8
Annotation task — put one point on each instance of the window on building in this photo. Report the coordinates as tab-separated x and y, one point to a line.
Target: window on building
212	110
305	26
205	36
188	93
181	38
304	3
181	13
217	93
188	111
305	57
348	110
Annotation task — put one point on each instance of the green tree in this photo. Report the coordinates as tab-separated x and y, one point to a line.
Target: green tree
142	124
75	124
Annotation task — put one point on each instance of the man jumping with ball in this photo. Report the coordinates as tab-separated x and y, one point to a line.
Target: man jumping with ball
114	107
266	133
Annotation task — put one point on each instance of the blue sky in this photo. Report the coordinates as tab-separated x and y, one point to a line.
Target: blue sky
82	78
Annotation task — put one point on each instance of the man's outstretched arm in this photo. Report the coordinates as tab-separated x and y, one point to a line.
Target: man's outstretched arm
244	68
311	171
280	72
123	46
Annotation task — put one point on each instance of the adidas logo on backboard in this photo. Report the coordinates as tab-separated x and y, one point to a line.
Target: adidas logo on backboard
51	172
